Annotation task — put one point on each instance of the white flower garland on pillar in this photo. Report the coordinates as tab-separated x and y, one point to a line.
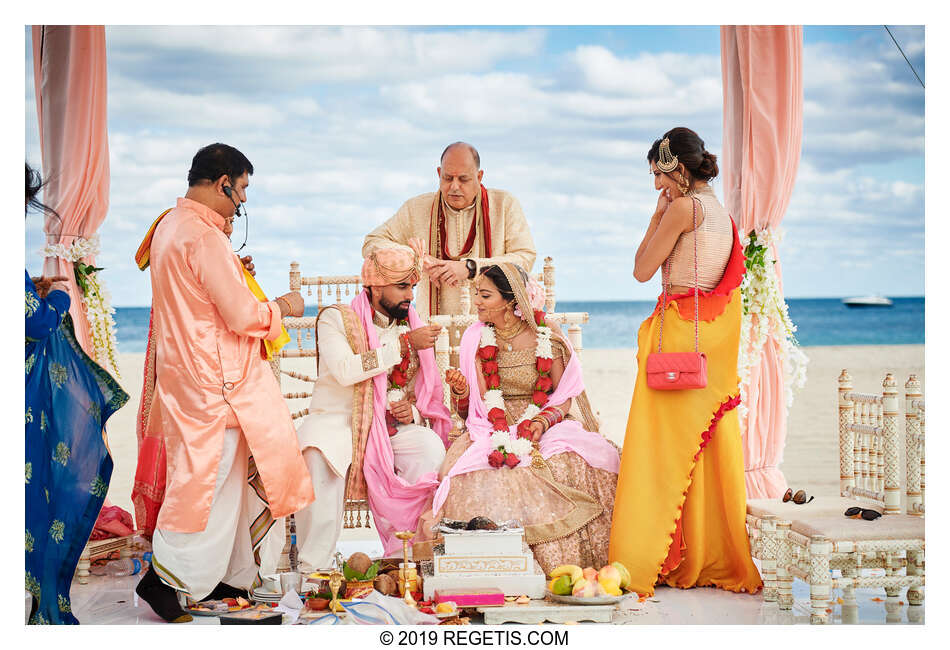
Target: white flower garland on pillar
765	313
96	298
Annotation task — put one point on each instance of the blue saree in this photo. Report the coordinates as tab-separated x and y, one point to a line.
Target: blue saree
68	467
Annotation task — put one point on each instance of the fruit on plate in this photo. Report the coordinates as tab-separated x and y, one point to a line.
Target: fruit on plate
584	589
609	573
610	587
561	585
572	570
444	608
624	574
590	574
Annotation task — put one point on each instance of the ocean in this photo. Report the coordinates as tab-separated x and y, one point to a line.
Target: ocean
820	321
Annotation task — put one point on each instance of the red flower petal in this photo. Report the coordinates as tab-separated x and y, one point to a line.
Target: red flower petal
495	413
488	352
496	459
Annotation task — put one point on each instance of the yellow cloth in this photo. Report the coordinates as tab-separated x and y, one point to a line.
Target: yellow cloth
659	472
271	347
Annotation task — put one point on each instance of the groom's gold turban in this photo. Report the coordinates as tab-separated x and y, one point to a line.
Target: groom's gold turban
391	266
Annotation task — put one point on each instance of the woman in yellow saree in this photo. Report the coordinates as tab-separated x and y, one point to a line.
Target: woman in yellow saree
679	514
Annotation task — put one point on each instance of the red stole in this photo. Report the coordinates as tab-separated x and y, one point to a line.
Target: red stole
442	250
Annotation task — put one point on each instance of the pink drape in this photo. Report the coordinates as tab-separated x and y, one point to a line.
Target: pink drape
396	504
762	137
69	69
565	436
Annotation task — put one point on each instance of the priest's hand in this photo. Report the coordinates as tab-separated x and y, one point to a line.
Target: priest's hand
290	304
45	285
402	411
423	338
448	272
248	264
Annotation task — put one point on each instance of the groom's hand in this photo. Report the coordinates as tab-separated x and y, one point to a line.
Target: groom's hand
423	338
402	411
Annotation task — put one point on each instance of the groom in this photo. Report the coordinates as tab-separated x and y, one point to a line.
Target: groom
366	434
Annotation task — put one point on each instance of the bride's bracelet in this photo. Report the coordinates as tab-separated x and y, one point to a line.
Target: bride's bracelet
552	415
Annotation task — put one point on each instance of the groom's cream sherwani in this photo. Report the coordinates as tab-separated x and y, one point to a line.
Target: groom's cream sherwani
325	436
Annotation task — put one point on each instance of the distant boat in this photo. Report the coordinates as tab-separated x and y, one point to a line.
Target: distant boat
868	301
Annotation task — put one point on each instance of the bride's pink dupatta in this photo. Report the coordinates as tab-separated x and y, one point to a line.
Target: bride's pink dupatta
397	505
568	435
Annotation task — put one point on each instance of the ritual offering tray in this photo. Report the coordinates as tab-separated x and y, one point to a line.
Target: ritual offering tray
576	600
480	555
218	607
259	595
255	616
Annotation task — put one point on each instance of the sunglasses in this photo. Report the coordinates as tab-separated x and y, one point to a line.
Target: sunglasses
864	513
799	497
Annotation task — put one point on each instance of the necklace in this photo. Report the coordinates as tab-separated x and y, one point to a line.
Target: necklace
509	334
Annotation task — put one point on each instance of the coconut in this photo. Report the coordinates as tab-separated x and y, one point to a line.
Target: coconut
359	563
385	584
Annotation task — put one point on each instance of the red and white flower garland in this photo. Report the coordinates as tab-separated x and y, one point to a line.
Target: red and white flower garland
508	450
398	379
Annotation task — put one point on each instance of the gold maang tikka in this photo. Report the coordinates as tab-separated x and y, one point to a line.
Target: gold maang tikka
667	162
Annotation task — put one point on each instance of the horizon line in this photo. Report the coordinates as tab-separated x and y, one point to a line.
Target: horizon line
606	300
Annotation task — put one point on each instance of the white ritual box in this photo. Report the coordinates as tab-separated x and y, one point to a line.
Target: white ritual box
484	542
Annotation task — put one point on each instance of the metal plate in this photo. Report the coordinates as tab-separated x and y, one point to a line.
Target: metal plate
574	600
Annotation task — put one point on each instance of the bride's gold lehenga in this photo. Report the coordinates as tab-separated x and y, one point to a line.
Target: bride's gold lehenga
566	508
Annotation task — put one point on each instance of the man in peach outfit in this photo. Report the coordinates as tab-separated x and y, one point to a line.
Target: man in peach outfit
215	401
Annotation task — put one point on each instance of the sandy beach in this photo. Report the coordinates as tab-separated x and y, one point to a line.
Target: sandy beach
811	451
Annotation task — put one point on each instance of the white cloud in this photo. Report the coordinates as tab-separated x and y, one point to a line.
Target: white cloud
344	124
305	55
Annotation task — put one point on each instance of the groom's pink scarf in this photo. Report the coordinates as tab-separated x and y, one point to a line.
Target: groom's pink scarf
568	435
396	505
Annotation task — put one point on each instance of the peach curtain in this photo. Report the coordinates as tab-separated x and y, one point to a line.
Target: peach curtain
69	69
762	137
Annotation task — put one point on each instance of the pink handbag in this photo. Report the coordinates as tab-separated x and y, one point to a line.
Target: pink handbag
678	370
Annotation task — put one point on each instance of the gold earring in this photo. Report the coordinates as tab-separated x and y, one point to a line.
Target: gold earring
683	185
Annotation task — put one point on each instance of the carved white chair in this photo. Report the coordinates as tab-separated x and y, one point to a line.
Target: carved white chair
337	289
808	541
914	446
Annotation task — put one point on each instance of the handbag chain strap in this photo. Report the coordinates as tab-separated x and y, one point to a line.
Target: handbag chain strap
666	273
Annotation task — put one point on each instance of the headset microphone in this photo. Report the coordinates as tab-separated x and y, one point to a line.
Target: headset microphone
237	212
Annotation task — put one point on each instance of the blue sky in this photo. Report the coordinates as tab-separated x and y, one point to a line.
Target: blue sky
344	124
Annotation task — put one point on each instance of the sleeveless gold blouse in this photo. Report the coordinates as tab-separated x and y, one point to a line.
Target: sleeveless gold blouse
714	243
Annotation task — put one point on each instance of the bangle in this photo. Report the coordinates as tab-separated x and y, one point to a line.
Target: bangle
540	419
459	395
281	300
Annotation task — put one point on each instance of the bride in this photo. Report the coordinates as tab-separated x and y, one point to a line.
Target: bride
525	454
